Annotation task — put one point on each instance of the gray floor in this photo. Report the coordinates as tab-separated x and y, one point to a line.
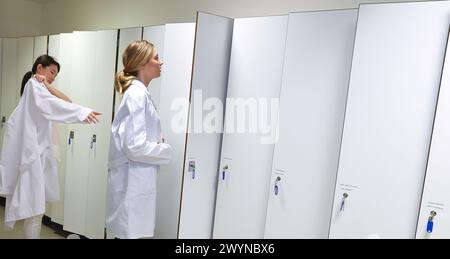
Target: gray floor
17	233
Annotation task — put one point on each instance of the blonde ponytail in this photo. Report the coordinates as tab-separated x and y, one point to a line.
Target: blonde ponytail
123	81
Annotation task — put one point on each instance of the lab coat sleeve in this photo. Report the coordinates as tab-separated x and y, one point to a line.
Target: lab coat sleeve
55	109
133	136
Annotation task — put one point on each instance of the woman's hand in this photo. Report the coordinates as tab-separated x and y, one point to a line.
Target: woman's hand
41	79
92	117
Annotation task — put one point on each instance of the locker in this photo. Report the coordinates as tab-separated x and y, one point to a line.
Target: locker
256	64
77	159
209	84
312	104
395	78
103	80
94	55
173	111
434	221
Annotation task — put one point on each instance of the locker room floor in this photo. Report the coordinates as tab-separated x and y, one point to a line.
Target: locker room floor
46	232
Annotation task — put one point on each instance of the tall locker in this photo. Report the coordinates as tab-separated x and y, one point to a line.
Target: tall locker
254	82
173	111
102	92
93	57
126	36
208	93
394	84
312	104
60	47
434	221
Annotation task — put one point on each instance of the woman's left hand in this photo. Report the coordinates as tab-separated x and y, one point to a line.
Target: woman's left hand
41	79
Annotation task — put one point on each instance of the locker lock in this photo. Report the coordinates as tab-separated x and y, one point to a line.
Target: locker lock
192	169
93	141
71	137
3	120
277	181
224	169
430	223
344	197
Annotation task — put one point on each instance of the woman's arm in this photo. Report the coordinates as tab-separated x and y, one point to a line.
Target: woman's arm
58	93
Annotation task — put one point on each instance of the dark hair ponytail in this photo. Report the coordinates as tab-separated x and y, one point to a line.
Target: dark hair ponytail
45	61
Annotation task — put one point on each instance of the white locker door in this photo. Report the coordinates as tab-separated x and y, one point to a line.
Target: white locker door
209	83
60	47
126	37
173	111
434	219
10	85
256	67
40	46
103	82
315	82
155	35
395	78
77	172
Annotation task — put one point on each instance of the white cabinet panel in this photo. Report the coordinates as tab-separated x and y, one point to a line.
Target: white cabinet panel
256	67
436	197
102	93
209	83
395	78
85	193
176	84
312	104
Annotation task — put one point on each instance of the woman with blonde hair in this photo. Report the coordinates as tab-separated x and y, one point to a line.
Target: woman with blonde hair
136	148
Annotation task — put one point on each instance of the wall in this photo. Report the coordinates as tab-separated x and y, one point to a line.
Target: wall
20	18
69	15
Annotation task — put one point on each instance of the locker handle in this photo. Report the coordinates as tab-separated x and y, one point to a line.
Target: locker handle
224	171
71	137
277	181
430	224
344	197
93	141
192	169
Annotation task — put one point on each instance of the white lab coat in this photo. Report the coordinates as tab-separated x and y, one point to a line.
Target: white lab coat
134	159
28	170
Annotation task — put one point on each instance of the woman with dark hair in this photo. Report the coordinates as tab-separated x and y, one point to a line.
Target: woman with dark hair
28	176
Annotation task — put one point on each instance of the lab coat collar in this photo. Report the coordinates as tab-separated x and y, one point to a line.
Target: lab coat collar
141	85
